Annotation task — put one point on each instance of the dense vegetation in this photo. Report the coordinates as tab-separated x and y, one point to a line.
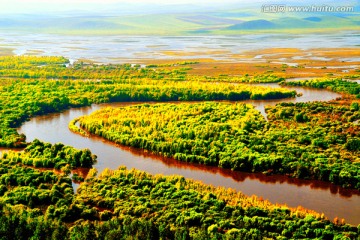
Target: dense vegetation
59	68
37	201
45	155
21	99
261	78
305	140
336	85
123	204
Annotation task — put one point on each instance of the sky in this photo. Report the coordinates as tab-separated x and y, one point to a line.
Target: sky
48	6
68	5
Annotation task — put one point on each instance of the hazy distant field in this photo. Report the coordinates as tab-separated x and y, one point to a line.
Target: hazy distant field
174	20
123	49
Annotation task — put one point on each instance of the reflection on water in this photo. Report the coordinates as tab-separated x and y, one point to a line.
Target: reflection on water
227	173
316	195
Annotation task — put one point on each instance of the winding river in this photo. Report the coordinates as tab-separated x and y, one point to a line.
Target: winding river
331	200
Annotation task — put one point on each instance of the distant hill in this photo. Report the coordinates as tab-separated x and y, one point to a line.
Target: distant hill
253	25
313	19
179	20
209	20
97	25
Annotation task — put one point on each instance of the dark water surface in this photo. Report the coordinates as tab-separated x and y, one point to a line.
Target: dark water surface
322	197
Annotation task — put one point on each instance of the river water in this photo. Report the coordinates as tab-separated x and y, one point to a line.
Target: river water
322	197
134	49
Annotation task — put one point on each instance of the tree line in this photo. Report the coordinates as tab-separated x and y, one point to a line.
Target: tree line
21	99
337	85
38	203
